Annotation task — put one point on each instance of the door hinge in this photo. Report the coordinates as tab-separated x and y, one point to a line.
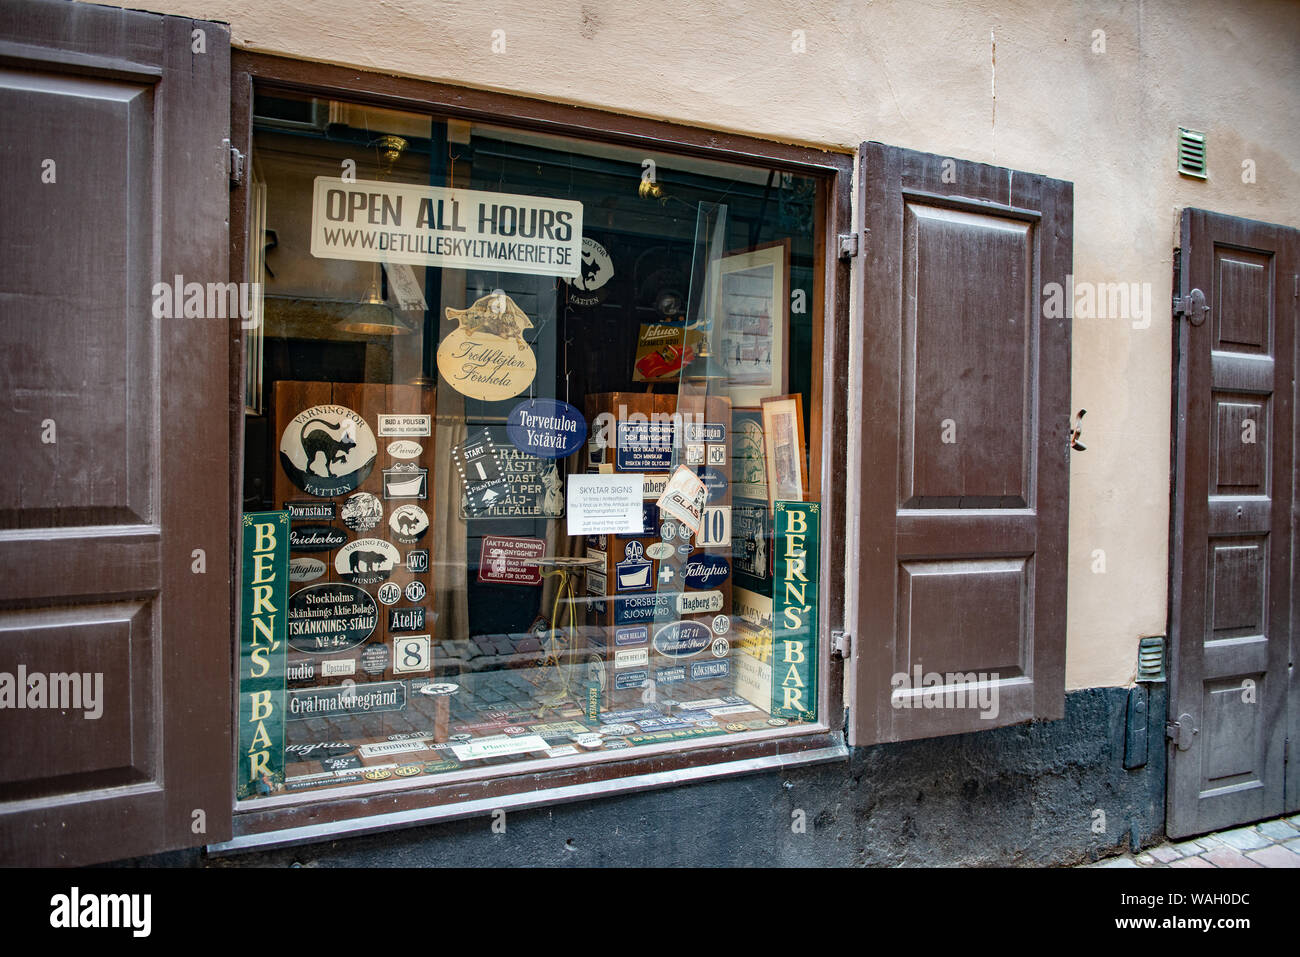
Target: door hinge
235	165
841	643
1181	732
1193	306
848	245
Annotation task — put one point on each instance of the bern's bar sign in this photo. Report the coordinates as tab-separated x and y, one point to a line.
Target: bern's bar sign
265	591
794	606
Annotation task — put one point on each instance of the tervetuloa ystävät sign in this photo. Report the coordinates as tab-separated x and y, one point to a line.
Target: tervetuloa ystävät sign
264	584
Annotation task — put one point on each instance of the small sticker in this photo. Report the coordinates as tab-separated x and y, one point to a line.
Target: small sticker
659	551
696	603
408	770
631	635
406	481
721	625
736	726
404	424
405	449
408	523
412	654
668	531
367	561
374	659
337	667
415	591
406	619
717	455
417	561
709	669
695	455
589	287
305	569
631	658
377	774
310	511
362	511
316	538
389	593
720	647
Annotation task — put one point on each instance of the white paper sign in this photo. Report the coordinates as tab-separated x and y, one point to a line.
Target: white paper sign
605	504
370	221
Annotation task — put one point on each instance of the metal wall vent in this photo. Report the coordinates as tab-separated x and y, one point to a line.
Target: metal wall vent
1191	153
1151	659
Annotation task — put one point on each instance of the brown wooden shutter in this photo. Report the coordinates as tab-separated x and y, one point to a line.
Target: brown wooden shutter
958	561
1232	623
117	435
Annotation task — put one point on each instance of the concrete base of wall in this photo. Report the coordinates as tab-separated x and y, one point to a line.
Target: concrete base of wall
1052	792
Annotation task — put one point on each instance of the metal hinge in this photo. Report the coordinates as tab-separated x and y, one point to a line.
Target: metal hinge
848	245
1193	306
841	643
235	165
1181	731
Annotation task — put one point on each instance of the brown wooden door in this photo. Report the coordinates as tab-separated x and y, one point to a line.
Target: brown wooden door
1232	586
114	514
958	568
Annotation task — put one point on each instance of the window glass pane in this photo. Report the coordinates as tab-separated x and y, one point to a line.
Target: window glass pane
534	407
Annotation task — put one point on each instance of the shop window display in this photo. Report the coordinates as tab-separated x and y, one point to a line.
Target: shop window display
526	472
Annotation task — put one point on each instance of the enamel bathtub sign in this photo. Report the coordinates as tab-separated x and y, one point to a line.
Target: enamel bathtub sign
371	221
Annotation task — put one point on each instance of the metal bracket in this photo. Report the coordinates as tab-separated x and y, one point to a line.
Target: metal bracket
235	165
1181	732
1193	306
841	643
848	245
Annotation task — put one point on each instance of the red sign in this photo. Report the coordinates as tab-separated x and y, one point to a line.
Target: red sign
507	561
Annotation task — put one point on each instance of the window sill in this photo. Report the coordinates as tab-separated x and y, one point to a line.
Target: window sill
309	818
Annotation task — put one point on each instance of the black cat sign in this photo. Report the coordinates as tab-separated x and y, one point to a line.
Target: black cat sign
327	450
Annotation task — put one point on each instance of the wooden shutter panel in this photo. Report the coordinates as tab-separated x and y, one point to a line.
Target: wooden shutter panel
1233	578
117	436
959	556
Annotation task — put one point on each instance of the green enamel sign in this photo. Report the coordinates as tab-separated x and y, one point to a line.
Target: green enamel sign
264	602
797	531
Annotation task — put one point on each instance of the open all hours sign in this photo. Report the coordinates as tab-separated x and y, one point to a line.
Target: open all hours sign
456	228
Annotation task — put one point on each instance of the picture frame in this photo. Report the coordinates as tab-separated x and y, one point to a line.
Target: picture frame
784	448
751	293
748	454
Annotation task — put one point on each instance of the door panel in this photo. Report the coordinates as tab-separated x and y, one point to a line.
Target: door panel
962	484
114	513
1231	589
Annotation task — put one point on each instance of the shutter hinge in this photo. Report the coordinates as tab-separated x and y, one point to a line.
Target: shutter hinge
1193	306
1181	731
841	643
235	165
848	245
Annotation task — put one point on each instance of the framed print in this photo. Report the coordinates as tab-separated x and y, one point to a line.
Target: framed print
783	447
748	457
752	293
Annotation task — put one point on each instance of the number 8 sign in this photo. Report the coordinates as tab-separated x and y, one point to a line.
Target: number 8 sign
411	653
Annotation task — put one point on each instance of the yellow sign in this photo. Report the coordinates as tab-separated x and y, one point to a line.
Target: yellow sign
486	357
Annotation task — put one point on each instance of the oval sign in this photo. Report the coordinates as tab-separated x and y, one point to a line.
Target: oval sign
659	551
547	428
405	449
408	523
330	617
486	356
714	481
705	571
367	561
682	639
315	538
327	450
305	569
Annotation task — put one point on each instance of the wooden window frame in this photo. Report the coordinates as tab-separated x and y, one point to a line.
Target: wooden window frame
311	816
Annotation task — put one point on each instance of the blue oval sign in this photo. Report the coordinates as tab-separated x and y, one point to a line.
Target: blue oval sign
546	427
705	571
682	639
714	481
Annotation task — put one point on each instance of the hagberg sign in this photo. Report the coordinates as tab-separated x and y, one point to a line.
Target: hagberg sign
452	228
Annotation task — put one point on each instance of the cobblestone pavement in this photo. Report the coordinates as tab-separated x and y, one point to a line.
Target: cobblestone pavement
1267	844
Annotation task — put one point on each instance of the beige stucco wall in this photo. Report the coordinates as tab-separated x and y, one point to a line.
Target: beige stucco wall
923	74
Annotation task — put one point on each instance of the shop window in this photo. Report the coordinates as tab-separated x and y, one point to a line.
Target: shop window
528	471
